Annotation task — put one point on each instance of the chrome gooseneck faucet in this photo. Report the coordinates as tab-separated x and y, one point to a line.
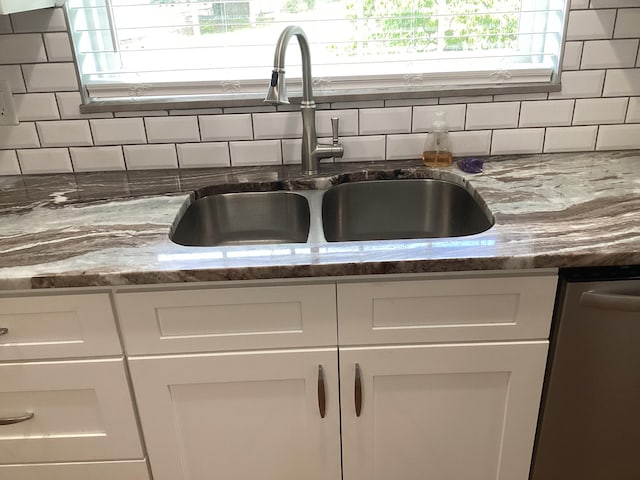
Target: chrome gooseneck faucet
312	151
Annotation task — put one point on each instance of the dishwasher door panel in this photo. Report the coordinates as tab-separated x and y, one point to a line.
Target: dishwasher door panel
590	418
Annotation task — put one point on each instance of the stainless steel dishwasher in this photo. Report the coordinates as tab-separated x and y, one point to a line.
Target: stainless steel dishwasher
589	426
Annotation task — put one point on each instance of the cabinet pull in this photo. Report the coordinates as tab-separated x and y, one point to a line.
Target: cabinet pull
322	399
4	331
358	391
20	419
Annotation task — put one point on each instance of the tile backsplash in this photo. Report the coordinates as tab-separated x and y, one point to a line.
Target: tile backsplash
597	109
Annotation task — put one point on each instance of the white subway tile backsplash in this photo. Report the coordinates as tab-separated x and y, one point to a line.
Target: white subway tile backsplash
260	109
19	136
292	151
633	114
402	147
277	125
423	117
348	125
385	120
622	82
598	111
609	54
5	24
618	137
9	162
522	140
482	116
546	113
450	100
36	106
572	55
140	157
259	152
69	105
13	74
45	160
203	155
50	77
45	20
570	139
580	84
25	48
627	23
579	4
118	131
58	47
613	3
361	104
590	24
516	97
220	128
172	129
95	159
471	143
410	102
363	149
65	133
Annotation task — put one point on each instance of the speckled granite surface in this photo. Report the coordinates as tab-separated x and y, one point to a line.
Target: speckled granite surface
79	230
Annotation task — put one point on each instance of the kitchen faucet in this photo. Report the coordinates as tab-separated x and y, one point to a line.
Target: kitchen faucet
312	151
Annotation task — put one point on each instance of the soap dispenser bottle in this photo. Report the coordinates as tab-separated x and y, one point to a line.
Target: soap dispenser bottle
437	147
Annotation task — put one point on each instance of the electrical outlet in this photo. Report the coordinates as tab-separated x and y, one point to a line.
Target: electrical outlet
7	108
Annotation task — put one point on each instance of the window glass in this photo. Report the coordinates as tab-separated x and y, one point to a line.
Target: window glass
226	47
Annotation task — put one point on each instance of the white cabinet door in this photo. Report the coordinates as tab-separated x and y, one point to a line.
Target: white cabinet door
217	319
446	310
82	411
57	326
441	412
253	415
117	470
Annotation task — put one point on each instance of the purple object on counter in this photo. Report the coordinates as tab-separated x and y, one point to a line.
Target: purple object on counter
470	164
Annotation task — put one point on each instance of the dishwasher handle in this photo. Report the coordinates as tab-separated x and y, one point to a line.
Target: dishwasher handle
610	301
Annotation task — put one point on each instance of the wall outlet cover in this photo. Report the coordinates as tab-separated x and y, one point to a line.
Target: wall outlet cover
7	108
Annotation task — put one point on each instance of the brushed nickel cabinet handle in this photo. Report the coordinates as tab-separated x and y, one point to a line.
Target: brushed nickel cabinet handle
20	419
322	399
358	391
4	331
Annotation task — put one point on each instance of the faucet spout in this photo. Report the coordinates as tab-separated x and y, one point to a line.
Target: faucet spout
312	152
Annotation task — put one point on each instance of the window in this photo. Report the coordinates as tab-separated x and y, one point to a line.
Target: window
225	48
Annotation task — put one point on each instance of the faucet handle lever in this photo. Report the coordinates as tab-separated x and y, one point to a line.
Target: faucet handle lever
335	121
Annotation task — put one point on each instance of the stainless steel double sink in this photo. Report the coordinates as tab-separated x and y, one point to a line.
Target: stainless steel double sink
366	210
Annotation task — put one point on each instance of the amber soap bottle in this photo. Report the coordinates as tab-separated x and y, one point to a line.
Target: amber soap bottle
437	147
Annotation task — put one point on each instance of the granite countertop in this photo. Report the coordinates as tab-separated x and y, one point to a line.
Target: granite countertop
558	210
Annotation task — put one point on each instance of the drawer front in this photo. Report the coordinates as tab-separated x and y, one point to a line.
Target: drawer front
125	470
82	411
446	310
57	326
224	319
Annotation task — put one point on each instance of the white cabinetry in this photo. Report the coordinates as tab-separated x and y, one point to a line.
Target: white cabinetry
440	377
64	414
14	6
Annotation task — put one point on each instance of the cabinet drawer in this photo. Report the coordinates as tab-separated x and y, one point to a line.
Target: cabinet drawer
225	319
446	310
125	470
82	411
57	326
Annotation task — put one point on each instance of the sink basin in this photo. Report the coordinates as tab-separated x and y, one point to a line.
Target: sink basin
401	209
244	218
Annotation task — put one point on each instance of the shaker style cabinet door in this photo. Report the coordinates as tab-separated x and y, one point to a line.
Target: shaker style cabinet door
253	415
440	411
66	411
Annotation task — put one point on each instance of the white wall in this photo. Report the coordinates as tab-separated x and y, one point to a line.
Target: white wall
597	109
